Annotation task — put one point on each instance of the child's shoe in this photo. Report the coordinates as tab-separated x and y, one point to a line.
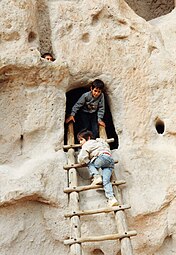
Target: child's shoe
112	202
97	179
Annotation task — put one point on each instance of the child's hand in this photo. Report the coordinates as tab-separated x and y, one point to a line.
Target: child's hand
101	123
70	118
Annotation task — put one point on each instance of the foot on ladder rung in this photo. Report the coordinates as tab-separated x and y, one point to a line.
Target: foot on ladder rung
96	211
89	187
99	238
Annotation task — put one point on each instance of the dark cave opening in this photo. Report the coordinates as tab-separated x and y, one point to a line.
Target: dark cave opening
71	98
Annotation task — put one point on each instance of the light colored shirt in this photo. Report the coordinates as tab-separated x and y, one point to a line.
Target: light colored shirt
92	149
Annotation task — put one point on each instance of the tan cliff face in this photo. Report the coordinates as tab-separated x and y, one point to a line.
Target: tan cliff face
151	9
136	60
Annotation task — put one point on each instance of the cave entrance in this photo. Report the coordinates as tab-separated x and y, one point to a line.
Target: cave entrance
151	9
71	98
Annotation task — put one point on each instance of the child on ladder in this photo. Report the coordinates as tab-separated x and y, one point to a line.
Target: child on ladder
91	108
96	154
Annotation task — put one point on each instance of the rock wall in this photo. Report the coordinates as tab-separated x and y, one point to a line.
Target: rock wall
150	9
137	61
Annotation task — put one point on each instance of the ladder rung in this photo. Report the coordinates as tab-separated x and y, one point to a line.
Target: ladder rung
89	187
101	210
68	167
69	146
99	238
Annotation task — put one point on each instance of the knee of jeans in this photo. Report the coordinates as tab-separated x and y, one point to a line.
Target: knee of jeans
106	181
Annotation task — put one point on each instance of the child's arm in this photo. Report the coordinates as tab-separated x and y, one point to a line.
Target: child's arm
83	156
101	110
81	101
75	108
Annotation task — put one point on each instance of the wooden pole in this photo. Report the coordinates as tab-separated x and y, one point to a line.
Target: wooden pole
75	248
126	247
78	165
100	238
97	211
89	187
78	145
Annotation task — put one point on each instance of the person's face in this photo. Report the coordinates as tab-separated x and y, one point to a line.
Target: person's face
82	140
96	92
49	58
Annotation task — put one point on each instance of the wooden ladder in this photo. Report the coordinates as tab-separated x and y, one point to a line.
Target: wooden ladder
73	190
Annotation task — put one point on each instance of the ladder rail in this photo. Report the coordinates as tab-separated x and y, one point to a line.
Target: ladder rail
75	248
122	227
73	190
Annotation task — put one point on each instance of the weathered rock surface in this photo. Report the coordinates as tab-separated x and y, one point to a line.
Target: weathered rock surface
137	61
150	9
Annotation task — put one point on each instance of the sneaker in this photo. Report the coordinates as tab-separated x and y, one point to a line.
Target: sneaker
97	179
112	202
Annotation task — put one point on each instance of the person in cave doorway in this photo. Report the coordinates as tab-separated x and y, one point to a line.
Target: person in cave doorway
48	57
91	107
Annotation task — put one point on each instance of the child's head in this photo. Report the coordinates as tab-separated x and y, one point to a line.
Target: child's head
98	84
97	87
84	135
48	56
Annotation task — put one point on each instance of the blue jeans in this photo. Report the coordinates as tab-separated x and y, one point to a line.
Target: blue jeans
106	163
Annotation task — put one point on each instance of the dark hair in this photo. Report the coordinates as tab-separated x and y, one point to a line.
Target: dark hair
85	134
47	54
97	84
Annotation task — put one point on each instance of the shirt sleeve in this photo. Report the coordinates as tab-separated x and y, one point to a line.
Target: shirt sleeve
83	156
81	101
101	108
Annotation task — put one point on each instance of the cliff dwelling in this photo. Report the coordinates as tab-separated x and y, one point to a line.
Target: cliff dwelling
48	205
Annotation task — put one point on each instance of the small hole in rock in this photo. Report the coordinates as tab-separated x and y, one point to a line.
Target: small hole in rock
31	37
85	37
159	125
97	252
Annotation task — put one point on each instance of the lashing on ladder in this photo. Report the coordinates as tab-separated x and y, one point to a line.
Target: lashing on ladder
73	190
